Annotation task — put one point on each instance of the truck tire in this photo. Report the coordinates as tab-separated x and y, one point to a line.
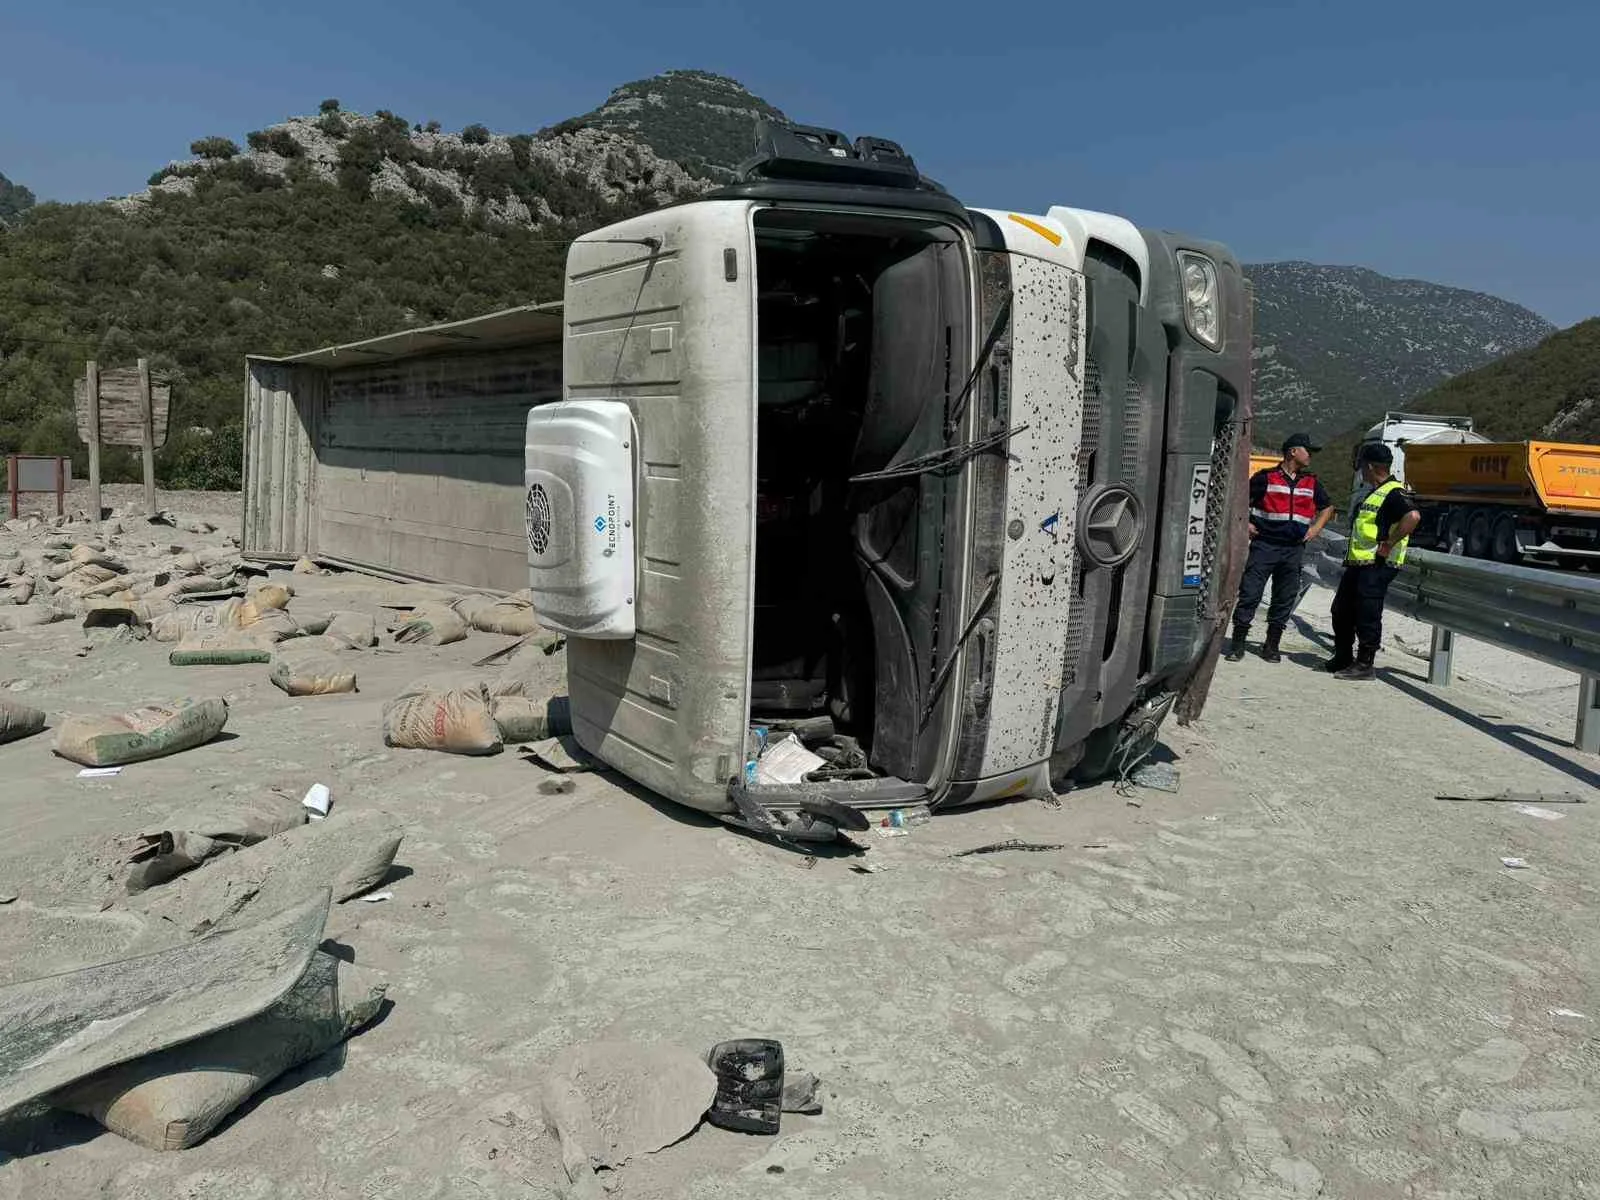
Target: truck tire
1478	534
1503	540
1455	529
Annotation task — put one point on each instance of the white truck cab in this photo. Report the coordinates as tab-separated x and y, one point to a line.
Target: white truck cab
947	492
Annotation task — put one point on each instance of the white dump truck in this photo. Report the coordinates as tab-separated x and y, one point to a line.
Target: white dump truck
948	496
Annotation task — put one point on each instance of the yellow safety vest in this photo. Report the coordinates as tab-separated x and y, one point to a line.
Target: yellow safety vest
1363	546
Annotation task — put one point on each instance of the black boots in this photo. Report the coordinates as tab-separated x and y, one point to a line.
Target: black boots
1269	649
1235	650
1361	669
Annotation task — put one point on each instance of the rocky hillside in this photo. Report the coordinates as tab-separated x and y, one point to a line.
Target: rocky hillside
14	198
703	121
1335	345
572	172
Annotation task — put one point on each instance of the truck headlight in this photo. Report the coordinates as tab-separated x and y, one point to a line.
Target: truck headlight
1201	303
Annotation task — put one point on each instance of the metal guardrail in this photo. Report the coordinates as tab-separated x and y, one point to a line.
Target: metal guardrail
1546	615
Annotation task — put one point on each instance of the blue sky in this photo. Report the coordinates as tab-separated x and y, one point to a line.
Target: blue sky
1456	142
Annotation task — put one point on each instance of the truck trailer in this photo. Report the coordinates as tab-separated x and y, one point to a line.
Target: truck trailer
950	496
1508	501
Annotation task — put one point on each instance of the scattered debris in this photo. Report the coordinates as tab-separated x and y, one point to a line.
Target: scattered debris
802	1093
152	731
306	567
609	1102
350	854
459	721
8	897
318	800
1013	844
560	785
377	897
190	837
1514	864
1567	1012
786	761
1521	798
1542	814
99	772
1159	777
173	1099
903	818
560	754
749	1085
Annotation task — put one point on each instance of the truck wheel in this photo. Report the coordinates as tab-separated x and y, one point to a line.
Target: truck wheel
1503	540
1478	535
1455	530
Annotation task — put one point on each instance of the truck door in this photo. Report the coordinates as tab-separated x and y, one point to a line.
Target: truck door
660	314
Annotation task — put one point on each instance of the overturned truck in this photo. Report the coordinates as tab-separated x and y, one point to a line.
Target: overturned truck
951	492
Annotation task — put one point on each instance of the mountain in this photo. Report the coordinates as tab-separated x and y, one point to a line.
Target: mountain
319	229
1338	345
341	225
701	120
13	199
1550	392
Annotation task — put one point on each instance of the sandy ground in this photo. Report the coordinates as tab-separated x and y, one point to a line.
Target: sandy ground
1301	975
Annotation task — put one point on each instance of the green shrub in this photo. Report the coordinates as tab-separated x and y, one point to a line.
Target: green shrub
329	106
277	141
475	135
214	147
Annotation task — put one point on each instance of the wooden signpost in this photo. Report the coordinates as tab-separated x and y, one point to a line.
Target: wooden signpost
120	406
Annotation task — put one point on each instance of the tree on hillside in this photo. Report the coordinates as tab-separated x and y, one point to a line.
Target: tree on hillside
475	135
214	147
329	106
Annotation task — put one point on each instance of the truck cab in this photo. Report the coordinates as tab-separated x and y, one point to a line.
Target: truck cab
945	493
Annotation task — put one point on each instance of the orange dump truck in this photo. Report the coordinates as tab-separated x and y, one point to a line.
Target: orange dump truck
1509	500
1260	462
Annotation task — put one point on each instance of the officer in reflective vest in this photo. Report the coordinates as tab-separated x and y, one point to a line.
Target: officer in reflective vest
1288	508
1379	533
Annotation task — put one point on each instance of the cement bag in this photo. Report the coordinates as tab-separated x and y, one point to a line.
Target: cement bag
457	722
151	731
270	625
270	595
223	648
173	1099
179	624
431	625
189	837
356	630
31	615
310	667
513	615
18	721
520	719
468	607
82	576
349	852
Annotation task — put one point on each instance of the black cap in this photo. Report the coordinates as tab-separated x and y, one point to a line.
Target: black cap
1300	439
1375	452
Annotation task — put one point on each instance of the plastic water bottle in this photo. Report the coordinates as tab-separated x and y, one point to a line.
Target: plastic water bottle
755	745
902	818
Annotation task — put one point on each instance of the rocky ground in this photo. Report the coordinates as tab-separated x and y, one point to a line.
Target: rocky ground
1300	975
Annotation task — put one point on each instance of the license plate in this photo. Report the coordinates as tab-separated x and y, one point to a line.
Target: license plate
1194	540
